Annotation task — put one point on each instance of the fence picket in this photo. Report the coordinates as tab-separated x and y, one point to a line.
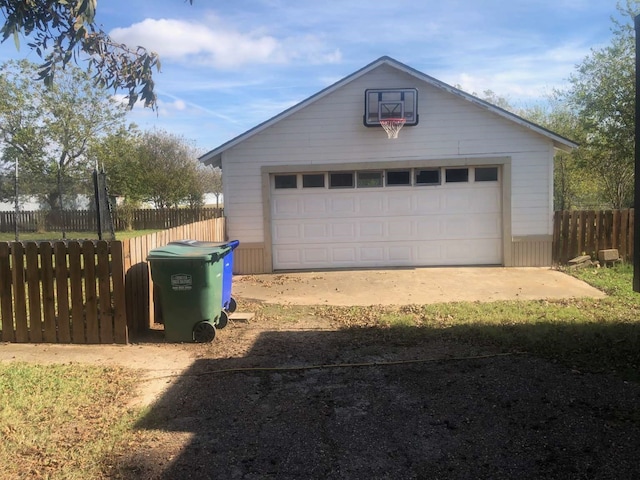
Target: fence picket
591	243
615	230
48	293
62	292
120	328
33	289
631	234
104	293
77	295
6	302
581	231
19	292
91	301
624	234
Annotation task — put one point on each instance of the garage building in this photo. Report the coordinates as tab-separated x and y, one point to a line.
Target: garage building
322	185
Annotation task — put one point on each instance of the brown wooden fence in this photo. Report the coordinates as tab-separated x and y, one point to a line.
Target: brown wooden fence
65	292
139	290
585	232
85	220
89	292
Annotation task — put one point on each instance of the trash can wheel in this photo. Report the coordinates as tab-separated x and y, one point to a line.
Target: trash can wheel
223	320
232	305
204	332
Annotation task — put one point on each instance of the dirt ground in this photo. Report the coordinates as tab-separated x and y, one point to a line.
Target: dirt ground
412	286
305	399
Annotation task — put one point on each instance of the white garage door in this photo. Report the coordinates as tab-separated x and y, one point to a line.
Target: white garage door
448	223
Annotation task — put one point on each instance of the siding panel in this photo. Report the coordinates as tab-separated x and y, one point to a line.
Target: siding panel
330	131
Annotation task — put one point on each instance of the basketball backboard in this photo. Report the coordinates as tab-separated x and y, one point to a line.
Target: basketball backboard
390	103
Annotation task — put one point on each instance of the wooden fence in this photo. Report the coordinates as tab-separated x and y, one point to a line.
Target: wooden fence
65	292
85	220
587	231
89	292
139	290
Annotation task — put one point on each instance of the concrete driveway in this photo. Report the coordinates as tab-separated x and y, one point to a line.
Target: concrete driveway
411	286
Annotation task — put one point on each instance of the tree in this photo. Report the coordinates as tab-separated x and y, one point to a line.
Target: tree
170	165
602	94
209	180
21	135
117	153
49	129
214	181
573	186
63	30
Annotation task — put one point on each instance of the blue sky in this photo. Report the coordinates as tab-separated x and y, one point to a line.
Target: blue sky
229	65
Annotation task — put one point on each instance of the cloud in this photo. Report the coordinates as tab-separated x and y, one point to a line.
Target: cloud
221	45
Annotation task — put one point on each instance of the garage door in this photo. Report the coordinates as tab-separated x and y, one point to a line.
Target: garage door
416	217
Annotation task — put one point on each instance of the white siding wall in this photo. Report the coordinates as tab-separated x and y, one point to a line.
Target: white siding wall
330	131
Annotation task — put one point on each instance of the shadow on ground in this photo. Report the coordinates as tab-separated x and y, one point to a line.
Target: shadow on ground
447	415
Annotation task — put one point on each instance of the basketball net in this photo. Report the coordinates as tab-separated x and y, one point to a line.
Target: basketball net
392	126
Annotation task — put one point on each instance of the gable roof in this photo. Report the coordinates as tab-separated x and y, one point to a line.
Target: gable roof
214	156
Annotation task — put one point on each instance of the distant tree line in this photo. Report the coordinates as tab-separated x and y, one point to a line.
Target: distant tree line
52	137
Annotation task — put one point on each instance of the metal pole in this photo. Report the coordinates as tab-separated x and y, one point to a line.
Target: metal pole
16	205
636	200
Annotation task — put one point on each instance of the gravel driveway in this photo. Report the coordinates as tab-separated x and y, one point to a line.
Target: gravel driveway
306	400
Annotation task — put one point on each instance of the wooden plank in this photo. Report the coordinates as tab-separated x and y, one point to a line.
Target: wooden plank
137	295
128	283
564	253
6	299
77	294
608	229
48	293
19	293
62	292
590	245
582	224
599	231
631	232
573	236
33	288
615	229
557	242
90	297
104	292
120	323
624	233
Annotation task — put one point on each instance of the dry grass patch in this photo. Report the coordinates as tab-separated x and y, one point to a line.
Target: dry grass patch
63	421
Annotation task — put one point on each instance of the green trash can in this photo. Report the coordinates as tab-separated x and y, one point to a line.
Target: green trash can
189	281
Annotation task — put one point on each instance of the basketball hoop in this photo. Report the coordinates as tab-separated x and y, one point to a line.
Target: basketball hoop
392	126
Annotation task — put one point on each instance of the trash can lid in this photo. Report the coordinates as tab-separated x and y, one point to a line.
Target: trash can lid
232	244
187	252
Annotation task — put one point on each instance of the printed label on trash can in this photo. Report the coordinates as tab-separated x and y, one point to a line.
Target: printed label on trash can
181	281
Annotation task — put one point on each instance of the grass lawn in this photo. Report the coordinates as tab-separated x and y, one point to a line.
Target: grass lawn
29	236
62	421
70	421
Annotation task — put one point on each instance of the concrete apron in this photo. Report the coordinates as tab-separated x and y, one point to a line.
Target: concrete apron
408	286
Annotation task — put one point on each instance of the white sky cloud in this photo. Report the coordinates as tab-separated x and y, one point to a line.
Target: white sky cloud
220	45
227	66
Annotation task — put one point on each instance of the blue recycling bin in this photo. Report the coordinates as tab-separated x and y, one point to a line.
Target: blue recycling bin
228	302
